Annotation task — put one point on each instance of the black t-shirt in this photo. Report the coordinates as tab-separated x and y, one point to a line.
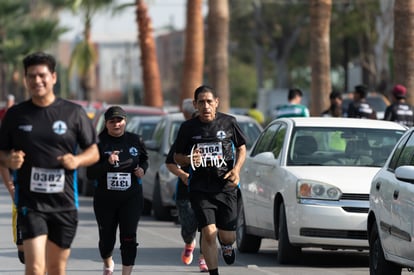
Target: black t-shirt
361	109
217	140
43	134
119	181
400	112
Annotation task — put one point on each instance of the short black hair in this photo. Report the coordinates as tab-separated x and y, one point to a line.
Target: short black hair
204	89
294	92
39	58
335	94
362	90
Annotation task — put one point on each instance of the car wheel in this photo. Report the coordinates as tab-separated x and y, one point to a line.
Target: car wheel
161	212
245	242
286	253
378	265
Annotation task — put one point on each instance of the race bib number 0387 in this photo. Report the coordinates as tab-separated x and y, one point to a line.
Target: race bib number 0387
44	180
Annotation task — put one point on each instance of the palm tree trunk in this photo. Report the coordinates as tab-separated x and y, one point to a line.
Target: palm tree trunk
151	74
320	11
194	49
404	45
218	36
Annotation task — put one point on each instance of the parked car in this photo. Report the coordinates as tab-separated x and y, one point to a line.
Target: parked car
159	183
131	110
376	100
86	186
390	219
306	183
143	125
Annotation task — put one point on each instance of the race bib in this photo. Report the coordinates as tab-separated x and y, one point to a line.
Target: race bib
45	180
211	155
214	149
118	181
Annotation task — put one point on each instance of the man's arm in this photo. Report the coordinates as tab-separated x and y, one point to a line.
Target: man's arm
7	180
88	157
173	168
234	174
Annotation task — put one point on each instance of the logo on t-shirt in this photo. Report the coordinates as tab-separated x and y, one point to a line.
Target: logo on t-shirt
221	135
133	151
60	127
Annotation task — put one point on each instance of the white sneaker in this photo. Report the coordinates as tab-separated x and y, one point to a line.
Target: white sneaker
109	270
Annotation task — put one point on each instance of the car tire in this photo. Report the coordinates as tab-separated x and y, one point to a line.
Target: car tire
286	253
161	212
378	265
246	243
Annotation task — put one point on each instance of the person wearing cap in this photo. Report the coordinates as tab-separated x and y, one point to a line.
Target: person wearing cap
335	109
186	214
118	198
359	107
400	111
44	140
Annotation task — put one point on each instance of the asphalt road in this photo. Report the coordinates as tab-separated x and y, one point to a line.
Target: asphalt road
160	247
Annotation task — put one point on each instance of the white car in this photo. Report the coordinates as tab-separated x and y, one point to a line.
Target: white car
391	215
306	183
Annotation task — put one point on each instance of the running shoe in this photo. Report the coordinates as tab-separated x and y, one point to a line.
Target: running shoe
202	265
229	255
109	270
187	254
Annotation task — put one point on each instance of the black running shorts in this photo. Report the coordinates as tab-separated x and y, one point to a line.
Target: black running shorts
215	208
60	227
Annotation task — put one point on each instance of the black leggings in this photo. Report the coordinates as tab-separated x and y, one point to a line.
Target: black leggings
111	211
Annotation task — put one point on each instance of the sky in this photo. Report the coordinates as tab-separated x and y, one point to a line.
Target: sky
123	26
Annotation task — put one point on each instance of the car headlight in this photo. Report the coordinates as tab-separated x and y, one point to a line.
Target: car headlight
307	189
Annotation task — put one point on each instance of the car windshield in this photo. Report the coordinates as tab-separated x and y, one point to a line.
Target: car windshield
341	147
250	130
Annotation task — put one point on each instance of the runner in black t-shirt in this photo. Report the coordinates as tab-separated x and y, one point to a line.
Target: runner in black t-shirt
213	145
400	111
118	198
39	139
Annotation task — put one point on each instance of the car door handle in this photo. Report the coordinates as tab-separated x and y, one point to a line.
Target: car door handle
396	193
378	186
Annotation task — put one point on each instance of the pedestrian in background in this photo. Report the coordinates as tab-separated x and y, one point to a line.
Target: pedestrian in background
294	108
213	145
399	110
256	114
186	214
9	102
39	140
118	198
335	108
359	107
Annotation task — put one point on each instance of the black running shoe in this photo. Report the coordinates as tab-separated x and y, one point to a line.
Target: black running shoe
229	255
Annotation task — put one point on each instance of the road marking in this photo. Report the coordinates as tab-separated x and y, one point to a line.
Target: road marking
255	267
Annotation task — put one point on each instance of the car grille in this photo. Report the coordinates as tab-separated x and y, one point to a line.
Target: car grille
355	197
331	233
356	209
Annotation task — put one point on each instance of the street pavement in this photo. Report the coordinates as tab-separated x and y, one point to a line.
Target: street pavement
160	247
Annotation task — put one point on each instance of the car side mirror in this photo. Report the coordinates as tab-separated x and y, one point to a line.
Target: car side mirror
405	173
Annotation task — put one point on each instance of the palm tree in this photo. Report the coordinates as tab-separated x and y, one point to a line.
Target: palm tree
151	74
404	45
84	57
194	49
218	37
320	11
